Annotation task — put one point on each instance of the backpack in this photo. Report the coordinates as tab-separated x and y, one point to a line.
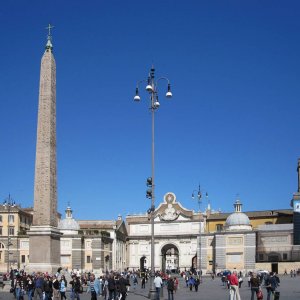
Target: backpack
170	284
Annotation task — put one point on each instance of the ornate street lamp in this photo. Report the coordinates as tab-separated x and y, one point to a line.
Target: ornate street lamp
152	89
198	193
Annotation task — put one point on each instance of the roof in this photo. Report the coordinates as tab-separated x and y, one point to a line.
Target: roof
254	214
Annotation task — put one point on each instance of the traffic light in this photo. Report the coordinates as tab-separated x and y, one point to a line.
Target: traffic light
149	193
149	182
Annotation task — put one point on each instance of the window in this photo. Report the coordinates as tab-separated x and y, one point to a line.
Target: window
234	258
11	230
11	218
24	244
22	259
88	259
65	244
65	259
219	227
0	230
88	245
0	218
260	256
284	256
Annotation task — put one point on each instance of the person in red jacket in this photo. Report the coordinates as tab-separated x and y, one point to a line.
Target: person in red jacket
234	286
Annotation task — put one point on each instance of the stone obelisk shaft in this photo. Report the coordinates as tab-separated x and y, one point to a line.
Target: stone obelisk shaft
44	237
45	190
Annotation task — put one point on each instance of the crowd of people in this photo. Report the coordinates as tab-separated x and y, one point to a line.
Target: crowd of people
256	283
44	286
111	286
115	286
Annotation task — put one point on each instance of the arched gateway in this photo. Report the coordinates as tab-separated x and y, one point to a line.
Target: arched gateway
143	263
170	258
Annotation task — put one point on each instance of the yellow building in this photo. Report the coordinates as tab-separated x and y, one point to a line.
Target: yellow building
216	222
14	223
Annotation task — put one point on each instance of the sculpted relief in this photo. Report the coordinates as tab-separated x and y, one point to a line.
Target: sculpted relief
169	213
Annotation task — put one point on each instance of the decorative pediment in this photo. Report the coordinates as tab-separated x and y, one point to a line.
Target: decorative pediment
170	209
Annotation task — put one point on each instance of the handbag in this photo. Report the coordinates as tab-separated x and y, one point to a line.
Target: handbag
12	290
259	295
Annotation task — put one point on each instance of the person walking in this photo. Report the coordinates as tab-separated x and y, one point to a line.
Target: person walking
75	287
191	283
248	279
19	287
123	284
271	285
176	284
255	284
55	288
105	289
93	287
240	281
158	284
234	292
29	287
143	282
47	288
111	288
38	287
196	283
63	287
170	287
135	281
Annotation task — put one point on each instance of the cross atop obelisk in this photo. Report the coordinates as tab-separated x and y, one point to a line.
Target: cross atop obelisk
49	37
44	237
49	27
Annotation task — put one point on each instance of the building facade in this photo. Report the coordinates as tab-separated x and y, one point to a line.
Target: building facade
85	245
245	241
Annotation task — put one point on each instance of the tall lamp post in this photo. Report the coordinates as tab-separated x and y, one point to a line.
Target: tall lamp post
198	194
152	89
8	204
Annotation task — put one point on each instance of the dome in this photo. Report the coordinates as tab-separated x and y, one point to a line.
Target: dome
69	223
238	220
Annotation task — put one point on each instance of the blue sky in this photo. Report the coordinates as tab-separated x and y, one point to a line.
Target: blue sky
232	125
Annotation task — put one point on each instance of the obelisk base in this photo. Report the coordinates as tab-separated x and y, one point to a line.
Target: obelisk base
44	249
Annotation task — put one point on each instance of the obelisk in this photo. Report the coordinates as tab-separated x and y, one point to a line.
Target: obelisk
44	237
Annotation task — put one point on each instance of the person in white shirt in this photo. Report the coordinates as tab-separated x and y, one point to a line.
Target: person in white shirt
158	284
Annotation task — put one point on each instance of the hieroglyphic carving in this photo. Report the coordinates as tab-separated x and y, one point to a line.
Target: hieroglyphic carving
45	190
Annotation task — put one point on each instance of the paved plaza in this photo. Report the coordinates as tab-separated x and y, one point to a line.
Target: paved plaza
209	290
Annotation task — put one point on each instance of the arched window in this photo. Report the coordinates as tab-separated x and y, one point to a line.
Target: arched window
0	218
2	246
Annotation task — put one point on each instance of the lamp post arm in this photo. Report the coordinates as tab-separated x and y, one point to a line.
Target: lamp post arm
162	78
139	82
